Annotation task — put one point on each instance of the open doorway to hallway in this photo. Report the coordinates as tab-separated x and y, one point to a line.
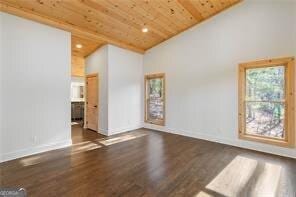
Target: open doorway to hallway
77	100
84	87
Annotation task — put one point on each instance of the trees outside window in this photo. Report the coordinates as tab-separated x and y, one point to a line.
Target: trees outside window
155	99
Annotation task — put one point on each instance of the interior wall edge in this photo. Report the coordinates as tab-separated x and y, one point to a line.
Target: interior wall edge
103	131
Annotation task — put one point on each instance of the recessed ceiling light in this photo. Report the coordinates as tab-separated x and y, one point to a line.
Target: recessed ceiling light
144	29
79	46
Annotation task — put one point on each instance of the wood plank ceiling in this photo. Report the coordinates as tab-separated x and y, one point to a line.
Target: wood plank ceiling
88	46
119	22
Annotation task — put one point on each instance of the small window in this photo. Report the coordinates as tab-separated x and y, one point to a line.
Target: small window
155	99
266	101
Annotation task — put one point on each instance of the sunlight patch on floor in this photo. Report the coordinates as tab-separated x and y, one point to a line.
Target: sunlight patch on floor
268	181
123	138
245	176
156	160
84	146
30	161
75	148
234	176
203	194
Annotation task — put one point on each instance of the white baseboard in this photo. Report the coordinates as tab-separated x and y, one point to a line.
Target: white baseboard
266	148
124	129
34	150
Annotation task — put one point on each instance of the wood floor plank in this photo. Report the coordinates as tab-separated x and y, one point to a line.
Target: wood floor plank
150	163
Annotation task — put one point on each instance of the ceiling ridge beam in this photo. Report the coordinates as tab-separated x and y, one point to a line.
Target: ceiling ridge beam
28	14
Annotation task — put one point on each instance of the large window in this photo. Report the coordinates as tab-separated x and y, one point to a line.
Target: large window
155	99
266	101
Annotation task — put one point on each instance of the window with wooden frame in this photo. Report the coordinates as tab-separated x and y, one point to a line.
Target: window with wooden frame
155	99
266	101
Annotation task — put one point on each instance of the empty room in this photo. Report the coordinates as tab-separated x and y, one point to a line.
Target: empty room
192	98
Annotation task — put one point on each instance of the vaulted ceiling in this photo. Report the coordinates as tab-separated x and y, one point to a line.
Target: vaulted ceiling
88	46
118	22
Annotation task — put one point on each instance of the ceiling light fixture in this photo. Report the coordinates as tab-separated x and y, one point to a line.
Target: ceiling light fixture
144	29
79	46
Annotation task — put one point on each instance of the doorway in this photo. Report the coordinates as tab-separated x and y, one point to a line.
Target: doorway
92	94
77	100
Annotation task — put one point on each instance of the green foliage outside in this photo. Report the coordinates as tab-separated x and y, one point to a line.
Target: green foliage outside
155	103
155	86
265	91
266	84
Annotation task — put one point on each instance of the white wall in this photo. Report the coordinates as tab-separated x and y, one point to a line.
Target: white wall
125	89
120	90
201	67
1	78
35	71
97	62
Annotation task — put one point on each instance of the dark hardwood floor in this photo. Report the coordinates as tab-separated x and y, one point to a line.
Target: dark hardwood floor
149	163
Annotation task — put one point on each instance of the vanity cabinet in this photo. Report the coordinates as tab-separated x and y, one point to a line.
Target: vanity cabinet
77	111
